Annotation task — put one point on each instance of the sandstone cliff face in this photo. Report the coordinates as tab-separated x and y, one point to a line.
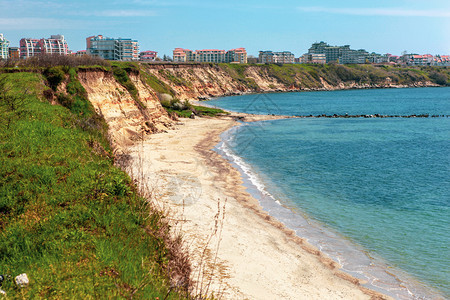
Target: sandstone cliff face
194	81
191	82
128	121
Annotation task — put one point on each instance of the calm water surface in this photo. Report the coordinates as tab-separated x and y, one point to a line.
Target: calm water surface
372	193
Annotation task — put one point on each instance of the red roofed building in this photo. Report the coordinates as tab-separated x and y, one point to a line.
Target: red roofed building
148	55
238	55
182	55
441	60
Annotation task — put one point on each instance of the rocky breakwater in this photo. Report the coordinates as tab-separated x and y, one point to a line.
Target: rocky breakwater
373	116
129	117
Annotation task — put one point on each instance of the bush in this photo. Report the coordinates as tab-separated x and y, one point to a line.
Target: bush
52	60
121	76
55	76
438	78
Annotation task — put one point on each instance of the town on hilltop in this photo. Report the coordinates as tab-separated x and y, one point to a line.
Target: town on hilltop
127	49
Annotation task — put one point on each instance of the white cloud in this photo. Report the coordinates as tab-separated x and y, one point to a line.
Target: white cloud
396	12
42	24
35	23
120	13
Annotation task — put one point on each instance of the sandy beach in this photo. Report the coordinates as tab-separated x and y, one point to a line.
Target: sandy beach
237	250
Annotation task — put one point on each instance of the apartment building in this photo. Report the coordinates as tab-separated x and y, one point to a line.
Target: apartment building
265	57
4	45
14	52
181	55
313	58
29	47
80	53
340	54
112	49
238	55
270	57
441	60
56	44
318	48
210	55
148	56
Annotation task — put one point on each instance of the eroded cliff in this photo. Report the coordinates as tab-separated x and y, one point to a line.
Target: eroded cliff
132	109
197	81
128	118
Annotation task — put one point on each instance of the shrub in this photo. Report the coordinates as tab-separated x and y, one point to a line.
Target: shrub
438	78
121	76
55	76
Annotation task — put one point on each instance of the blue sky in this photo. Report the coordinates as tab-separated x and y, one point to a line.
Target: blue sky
382	26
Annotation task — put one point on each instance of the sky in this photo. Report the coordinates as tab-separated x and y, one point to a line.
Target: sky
381	26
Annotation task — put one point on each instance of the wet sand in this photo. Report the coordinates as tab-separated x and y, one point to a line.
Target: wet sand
238	251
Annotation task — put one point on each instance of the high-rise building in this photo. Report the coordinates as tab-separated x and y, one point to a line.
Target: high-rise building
4	45
56	44
333	54
339	54
238	55
29	47
112	49
318	48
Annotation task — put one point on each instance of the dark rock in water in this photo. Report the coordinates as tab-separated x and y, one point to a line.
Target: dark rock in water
372	116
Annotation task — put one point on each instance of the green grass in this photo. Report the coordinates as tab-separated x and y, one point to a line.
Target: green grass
208	111
69	218
157	85
237	72
177	80
199	110
184	109
120	71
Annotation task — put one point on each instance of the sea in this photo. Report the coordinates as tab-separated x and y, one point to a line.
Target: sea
371	193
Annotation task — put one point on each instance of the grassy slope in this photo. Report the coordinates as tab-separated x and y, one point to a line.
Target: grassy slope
68	218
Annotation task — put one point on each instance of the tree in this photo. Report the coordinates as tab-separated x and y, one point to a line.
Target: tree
167	58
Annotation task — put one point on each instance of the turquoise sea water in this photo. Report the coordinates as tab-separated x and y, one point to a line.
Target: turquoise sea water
372	193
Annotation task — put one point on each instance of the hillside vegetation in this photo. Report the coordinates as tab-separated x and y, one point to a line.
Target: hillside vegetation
70	219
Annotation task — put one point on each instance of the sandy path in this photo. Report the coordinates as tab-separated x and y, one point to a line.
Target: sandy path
257	258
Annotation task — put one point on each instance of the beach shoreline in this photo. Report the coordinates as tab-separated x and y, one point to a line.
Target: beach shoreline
238	250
